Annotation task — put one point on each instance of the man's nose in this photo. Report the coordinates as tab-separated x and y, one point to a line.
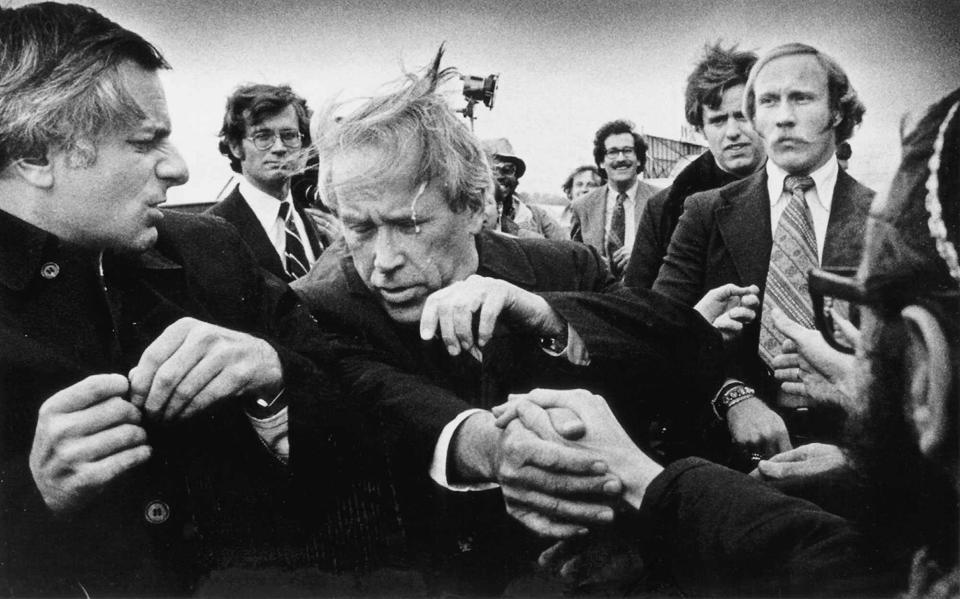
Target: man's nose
171	168
387	253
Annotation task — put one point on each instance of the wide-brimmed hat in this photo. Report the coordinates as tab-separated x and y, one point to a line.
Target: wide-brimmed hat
500	148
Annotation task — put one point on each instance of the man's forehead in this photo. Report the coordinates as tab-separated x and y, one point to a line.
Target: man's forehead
793	69
146	89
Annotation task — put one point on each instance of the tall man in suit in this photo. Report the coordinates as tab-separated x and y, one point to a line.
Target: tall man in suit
607	217
757	231
264	130
714	106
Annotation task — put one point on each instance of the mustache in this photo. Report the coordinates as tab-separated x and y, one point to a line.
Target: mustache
620	164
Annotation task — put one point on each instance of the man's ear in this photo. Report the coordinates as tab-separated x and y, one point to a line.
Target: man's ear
928	373
236	149
835	122
35	170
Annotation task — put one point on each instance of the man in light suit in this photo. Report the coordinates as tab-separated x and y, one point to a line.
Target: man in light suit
264	130
802	104
607	217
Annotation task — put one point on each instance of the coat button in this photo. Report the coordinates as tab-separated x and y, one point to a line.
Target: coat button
157	512
50	270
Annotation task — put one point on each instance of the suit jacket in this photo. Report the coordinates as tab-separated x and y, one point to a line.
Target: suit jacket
589	214
235	210
724	236
641	347
210	496
659	219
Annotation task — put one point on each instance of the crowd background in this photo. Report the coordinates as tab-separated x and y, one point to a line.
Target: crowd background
566	67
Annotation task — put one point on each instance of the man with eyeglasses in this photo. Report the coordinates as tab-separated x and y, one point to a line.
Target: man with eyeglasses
517	217
607	217
264	133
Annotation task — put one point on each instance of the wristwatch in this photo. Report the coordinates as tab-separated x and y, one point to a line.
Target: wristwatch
730	395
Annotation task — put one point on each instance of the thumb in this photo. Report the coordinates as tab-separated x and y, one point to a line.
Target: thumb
786	326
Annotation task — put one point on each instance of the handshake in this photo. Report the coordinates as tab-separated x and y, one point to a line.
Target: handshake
565	463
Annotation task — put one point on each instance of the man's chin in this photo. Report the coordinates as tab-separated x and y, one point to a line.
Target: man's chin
407	312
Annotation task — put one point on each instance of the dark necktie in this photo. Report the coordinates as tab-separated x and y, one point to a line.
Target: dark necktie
618	224
793	254
295	262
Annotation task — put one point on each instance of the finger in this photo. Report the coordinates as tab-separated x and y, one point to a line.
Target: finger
171	373
223	384
549	398
112	412
156	354
546	527
786	326
567	423
741	314
448	332
785	361
489	314
553	457
554	556
536	420
792	455
780	442
789	346
209	378
851	332
429	318
462	319
794	388
108	442
103	471
559	509
86	393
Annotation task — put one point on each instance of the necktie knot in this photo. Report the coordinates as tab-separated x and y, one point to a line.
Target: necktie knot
284	210
797	185
621	198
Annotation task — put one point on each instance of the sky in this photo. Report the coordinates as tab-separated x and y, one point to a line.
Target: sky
565	67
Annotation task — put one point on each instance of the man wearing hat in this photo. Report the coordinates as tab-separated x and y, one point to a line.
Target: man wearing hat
516	216
607	217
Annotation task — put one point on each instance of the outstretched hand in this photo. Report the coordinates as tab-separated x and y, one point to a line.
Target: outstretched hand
451	311
729	307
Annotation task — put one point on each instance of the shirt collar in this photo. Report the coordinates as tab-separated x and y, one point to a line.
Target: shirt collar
631	192
825	179
265	207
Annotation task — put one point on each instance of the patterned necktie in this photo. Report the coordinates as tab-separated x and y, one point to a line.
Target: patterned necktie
617	226
296	262
793	254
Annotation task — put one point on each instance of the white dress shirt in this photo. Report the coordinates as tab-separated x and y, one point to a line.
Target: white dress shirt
819	198
267	210
629	213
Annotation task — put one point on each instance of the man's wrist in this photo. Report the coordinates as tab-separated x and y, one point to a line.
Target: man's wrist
730	395
472	450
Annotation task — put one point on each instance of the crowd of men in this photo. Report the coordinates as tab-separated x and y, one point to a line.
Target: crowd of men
745	384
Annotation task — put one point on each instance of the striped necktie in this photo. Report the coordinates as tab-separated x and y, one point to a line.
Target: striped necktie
793	254
618	225
295	262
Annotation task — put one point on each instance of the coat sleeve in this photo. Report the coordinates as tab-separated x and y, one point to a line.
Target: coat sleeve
719	532
683	273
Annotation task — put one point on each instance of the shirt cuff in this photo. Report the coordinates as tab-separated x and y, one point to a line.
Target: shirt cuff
438	467
274	433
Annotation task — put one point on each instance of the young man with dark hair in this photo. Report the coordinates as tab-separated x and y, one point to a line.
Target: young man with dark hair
714	106
264	133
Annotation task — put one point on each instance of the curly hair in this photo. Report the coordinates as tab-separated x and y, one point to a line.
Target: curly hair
567	186
719	70
614	128
250	104
843	98
60	84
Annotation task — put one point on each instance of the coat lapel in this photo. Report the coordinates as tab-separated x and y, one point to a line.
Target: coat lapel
236	210
848	217
743	218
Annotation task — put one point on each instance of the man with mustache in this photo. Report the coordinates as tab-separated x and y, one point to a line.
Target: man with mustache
264	130
607	217
799	212
713	532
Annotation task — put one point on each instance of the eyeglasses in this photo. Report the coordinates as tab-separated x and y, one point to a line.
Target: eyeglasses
836	292
628	152
507	169
264	139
